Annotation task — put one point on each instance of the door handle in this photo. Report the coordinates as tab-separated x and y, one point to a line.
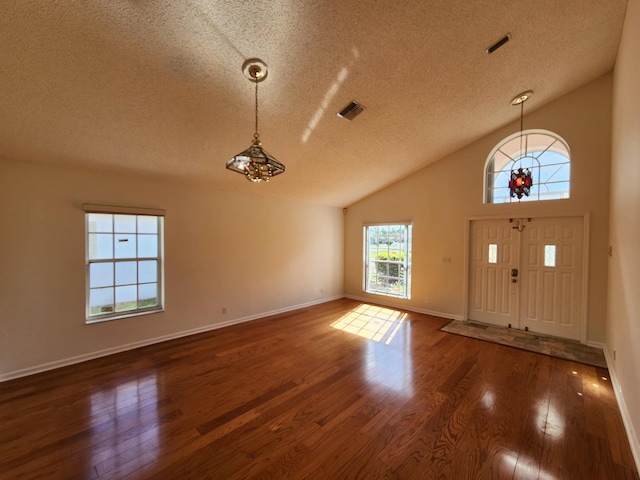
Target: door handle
514	280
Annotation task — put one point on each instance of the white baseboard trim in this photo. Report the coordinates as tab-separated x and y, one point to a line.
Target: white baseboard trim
150	341
634	441
405	307
595	344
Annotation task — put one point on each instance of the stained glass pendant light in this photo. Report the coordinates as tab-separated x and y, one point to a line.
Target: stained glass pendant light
521	180
255	163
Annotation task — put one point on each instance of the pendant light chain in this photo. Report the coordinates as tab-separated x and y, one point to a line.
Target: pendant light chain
521	178
521	128
256	135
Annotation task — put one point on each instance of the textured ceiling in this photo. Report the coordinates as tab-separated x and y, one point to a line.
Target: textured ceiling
156	86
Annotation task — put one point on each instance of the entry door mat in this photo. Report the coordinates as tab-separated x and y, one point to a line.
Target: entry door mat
555	347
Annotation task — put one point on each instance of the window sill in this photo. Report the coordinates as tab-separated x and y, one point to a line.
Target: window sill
118	316
390	295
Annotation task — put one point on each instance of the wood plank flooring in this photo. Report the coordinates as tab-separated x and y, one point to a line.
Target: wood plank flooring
342	390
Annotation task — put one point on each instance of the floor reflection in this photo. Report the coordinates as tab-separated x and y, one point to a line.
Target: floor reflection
387	356
550	421
488	400
125	425
530	471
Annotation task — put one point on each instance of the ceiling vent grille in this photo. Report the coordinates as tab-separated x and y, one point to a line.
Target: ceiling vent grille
498	44
351	111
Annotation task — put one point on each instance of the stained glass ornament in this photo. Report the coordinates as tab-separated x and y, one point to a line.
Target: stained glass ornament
520	183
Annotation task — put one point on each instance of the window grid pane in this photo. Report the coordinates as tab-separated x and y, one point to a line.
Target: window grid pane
147	245
147	295
126	298
124	223
99	223
147	224
100	246
125	245
101	301
147	271
126	273
101	275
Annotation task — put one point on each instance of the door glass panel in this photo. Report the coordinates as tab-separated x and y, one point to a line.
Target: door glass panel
493	253
549	255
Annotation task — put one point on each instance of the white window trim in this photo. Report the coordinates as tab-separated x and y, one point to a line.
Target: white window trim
95	208
119	210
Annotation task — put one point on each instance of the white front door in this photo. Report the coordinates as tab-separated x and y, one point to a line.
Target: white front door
527	274
493	298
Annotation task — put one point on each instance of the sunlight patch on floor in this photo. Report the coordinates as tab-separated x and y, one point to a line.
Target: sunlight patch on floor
376	323
387	363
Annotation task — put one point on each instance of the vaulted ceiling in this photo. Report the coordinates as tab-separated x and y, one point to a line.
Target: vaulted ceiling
156	86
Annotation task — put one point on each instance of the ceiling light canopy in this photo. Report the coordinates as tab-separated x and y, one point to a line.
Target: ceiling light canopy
521	98
255	163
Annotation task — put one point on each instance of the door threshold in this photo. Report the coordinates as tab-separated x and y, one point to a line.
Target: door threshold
566	349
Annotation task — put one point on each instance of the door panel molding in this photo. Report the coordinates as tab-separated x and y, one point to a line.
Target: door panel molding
565	258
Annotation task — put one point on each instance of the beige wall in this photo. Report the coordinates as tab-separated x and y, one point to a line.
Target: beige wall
220	251
440	198
623	315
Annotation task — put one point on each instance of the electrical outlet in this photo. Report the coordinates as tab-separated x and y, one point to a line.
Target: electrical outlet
426	300
614	355
224	310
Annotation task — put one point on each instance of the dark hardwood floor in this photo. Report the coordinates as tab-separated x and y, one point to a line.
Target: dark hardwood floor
342	390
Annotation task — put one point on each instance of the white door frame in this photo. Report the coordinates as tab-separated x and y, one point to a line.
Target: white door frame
585	259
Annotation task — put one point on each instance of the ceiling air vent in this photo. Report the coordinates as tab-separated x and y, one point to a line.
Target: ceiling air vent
351	111
498	44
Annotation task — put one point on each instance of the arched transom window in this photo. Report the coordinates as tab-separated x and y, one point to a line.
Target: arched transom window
542	153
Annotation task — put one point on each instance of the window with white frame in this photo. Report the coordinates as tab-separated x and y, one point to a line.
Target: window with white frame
387	259
543	153
124	261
